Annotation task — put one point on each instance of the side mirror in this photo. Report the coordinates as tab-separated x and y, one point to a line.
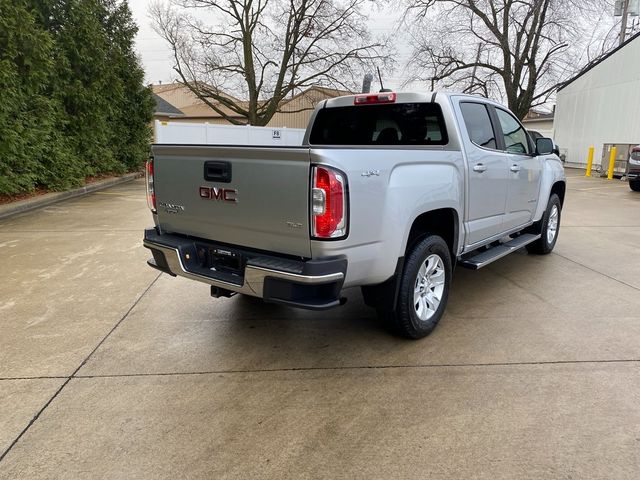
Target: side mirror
544	146
556	150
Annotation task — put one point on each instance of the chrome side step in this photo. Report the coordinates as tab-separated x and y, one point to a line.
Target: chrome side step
483	259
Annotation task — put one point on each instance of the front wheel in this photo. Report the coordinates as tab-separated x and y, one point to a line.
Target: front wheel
550	228
634	185
424	289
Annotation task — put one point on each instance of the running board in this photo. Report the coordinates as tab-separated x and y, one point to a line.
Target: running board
488	256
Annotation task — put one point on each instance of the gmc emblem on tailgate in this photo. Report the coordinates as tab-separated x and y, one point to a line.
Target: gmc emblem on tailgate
222	194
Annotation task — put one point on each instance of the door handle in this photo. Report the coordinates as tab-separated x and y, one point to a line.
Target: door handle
515	168
479	167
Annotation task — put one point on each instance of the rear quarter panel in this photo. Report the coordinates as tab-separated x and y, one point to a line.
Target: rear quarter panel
388	189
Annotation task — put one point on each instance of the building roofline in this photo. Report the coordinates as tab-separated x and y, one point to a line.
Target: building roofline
340	93
164	107
540	117
599	61
168	114
537	119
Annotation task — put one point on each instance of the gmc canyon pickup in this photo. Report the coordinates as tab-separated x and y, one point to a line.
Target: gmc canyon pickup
388	192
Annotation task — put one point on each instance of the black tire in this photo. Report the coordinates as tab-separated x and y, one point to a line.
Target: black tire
544	244
405	320
634	185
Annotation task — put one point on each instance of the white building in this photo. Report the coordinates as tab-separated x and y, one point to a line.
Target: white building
600	107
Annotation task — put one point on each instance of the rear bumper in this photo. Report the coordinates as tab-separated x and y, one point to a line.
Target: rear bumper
311	284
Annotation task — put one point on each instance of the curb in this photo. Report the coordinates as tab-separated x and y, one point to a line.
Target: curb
47	199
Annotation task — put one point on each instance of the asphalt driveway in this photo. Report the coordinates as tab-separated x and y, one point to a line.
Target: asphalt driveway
109	369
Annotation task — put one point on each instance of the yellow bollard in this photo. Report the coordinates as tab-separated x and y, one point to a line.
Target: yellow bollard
612	162
589	162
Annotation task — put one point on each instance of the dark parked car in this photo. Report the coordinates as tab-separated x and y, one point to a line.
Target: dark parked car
634	169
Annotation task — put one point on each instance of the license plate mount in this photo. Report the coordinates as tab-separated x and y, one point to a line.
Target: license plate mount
226	260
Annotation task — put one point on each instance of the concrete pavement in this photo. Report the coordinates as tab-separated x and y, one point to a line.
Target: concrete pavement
534	372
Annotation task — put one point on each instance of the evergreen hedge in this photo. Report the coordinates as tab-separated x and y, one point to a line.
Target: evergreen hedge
72	97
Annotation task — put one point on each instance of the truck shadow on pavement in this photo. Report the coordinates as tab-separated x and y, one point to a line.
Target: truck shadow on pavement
490	318
278	337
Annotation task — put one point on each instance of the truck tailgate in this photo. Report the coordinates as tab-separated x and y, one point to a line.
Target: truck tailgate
255	197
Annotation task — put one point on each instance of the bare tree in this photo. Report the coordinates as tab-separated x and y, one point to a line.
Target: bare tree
263	50
520	50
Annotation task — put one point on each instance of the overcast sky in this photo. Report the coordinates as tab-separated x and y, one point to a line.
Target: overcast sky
155	53
156	60
152	49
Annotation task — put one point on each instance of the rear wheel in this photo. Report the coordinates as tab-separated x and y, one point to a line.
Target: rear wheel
550	228
634	185
424	289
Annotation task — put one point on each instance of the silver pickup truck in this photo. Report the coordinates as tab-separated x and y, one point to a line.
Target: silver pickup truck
388	192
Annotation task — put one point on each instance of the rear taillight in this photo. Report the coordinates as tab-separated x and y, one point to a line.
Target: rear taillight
151	192
328	203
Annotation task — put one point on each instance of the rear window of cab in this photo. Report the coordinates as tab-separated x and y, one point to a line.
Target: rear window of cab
384	124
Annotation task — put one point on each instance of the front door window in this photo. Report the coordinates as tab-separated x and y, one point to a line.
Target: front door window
515	137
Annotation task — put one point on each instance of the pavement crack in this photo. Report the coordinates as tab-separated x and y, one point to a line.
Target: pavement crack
73	375
41	377
115	326
362	367
334	368
597	271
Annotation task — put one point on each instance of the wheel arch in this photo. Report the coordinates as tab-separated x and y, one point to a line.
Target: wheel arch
444	222
553	181
559	188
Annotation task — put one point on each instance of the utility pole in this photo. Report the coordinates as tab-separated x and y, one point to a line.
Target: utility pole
625	14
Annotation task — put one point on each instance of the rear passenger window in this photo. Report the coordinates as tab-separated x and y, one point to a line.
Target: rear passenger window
388	124
515	137
478	123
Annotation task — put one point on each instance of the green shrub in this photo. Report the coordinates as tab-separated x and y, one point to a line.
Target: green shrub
73	100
